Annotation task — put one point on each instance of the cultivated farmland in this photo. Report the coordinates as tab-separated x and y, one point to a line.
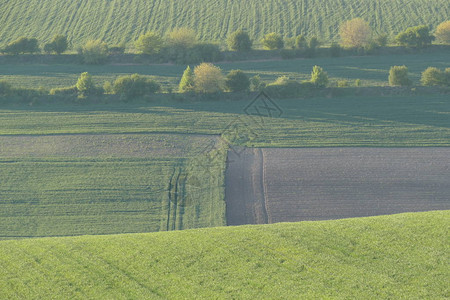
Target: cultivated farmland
287	185
59	185
121	21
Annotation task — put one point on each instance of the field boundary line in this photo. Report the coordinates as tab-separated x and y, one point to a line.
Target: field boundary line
263	187
170	200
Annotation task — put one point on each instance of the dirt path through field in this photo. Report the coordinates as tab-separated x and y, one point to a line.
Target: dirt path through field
244	188
285	185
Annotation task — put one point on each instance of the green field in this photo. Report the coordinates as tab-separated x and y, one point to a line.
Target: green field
70	169
388	257
316	122
102	184
371	70
119	21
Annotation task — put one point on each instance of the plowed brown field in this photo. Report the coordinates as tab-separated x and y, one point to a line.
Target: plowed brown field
286	185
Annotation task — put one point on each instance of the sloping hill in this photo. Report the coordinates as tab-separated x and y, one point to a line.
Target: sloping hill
118	21
400	256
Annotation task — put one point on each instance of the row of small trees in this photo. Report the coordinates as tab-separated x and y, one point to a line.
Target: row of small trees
357	33
207	78
58	45
184	42
398	76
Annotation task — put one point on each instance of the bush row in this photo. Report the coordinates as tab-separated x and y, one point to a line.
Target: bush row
182	46
207	78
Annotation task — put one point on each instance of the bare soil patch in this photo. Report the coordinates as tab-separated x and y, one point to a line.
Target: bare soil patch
332	183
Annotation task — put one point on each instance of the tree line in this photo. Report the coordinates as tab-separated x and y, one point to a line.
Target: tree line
182	46
207	78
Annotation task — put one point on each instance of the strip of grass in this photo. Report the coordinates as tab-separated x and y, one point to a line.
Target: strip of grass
371	70
399	256
317	122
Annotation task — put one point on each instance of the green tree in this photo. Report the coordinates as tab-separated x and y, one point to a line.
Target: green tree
95	52
187	81
398	75
319	77
335	50
355	33
182	37
433	76
237	81
382	40
22	45
272	41
418	36
301	42
5	88
256	84
239	41
134	86
313	43
58	45
208	78
149	43
443	32
85	84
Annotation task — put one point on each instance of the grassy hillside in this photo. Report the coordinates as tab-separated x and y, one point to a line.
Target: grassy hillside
400	256
371	70
119	21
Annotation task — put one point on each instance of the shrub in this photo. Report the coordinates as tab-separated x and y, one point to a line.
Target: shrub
398	75
203	52
289	53
355	33
58	45
312	46
237	81
443	32
256	84
335	50
22	45
284	87
108	88
382	40
313	43
182	38
135	86
272	41
149	43
319	77
447	76
206	52
94	52
371	47
5	88
342	83
300	42
85	84
433	76
64	91
418	36
116	50
208	78
239	41
187	81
